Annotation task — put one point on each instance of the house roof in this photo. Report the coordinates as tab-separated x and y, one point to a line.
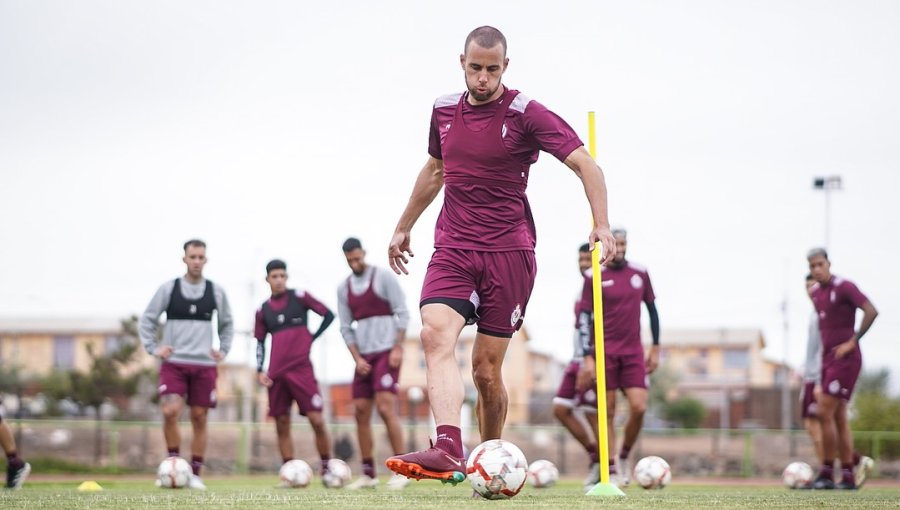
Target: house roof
727	337
59	325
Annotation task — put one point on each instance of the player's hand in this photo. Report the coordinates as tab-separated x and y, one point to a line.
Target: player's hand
396	356
363	367
264	379
845	348
652	359
216	355
164	351
396	252
586	374
603	236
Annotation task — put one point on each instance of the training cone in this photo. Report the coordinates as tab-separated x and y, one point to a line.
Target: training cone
89	486
605	489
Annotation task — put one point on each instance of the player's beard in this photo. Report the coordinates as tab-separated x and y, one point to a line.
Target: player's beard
483	97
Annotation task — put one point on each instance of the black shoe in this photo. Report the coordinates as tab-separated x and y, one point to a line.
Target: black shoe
16	477
805	487
823	484
846	485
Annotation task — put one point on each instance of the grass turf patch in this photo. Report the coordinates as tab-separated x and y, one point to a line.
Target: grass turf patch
258	492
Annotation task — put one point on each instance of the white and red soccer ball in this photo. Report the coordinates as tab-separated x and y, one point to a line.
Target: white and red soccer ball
337	475
173	473
797	474
295	474
542	474
652	472
497	469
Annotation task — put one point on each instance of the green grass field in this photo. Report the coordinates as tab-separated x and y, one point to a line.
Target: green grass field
257	492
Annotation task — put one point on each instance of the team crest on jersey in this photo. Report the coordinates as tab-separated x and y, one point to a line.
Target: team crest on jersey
280	318
516	315
636	281
192	310
503	131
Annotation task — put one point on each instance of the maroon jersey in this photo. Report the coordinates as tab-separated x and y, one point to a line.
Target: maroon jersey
290	344
624	289
368	304
487	151
836	303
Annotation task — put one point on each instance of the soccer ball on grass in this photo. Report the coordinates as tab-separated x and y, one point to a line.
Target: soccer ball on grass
337	474
295	474
173	473
542	474
652	472
797	474
497	469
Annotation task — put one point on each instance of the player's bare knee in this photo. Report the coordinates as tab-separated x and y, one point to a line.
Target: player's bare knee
562	412
638	409
486	376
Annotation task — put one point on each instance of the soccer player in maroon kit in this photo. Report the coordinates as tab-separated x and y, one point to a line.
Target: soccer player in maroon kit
290	376
481	145
625	286
17	470
836	301
567	396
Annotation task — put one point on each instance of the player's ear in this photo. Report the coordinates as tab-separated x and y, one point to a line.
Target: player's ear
462	61
505	63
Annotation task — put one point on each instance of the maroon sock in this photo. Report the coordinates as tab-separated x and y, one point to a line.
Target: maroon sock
13	461
174	451
612	467
323	465
449	439
624	451
196	464
368	466
827	470
285	460
847	475
856	457
593	453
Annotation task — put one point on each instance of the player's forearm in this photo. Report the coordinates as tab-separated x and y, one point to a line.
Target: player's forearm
326	321
594	184
654	322
869	314
428	185
260	354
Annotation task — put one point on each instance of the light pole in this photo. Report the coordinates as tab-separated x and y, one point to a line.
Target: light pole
827	184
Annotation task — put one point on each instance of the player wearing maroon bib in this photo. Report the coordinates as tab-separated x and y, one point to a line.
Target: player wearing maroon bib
836	301
290	376
564	403
481	146
625	286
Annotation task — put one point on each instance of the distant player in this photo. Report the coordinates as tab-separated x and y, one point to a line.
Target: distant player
836	301
481	146
625	286
566	396
290	377
373	314
188	371
17	469
812	370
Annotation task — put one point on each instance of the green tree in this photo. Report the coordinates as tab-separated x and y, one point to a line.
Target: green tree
686	411
874	409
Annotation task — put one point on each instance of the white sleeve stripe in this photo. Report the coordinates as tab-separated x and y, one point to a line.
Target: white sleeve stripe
520	103
448	100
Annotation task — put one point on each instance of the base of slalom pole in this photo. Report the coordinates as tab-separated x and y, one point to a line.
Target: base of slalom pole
605	489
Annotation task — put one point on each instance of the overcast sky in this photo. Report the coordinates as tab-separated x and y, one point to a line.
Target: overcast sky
277	129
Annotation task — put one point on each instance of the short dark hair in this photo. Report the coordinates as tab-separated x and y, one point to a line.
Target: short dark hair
275	264
351	244
815	252
486	37
584	248
620	232
196	243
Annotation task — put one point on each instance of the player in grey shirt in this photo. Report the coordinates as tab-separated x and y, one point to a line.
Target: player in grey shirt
373	313
812	370
188	371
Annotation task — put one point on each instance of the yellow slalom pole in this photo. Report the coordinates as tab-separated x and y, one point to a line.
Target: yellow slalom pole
604	488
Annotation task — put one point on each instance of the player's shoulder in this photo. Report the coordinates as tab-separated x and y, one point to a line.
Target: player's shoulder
637	268
521	102
447	100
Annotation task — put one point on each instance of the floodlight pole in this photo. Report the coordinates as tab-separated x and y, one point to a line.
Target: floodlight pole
827	184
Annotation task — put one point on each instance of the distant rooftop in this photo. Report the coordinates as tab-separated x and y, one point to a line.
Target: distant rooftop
59	325
712	337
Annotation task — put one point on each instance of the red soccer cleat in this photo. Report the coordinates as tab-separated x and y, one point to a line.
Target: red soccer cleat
432	464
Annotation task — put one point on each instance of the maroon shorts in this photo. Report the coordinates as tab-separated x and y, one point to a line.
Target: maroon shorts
196	384
299	385
839	376
625	371
381	378
568	395
808	400
498	284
